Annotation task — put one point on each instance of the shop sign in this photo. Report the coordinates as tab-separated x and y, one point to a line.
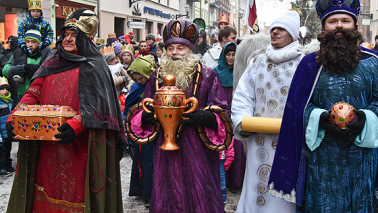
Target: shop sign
157	12
136	24
67	10
136	11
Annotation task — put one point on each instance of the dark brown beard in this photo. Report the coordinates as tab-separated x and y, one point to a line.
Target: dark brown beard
339	53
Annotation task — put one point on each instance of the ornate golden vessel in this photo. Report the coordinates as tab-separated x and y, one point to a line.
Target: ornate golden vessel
40	122
341	114
169	104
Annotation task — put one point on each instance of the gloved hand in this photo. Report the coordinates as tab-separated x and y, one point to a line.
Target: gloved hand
246	134
9	128
355	128
68	134
227	164
332	129
148	117
199	118
30	70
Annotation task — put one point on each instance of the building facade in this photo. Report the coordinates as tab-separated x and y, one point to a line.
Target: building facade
12	13
142	17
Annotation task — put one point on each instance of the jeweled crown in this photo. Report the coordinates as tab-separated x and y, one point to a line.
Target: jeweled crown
180	32
224	18
83	19
107	51
52	45
34	4
326	8
127	47
100	41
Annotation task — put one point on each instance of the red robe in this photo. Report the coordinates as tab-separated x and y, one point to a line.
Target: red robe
61	171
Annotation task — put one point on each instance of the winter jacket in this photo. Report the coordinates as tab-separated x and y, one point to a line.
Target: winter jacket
5	109
153	48
120	76
47	34
15	66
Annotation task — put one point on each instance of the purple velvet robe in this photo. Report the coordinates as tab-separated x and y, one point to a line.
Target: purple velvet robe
188	180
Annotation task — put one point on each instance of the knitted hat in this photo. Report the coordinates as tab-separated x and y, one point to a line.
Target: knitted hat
151	36
33	33
4	83
326	8
180	32
117	48
288	21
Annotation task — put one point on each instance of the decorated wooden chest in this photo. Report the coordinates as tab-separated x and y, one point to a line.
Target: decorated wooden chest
40	122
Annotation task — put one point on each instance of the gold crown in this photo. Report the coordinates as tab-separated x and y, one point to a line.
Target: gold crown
112	35
3	81
100	41
52	45
128	47
107	51
224	18
87	22
34	4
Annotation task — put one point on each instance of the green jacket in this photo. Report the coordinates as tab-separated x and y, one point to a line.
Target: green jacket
15	66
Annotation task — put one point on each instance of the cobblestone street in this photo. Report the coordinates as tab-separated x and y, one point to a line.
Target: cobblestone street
130	204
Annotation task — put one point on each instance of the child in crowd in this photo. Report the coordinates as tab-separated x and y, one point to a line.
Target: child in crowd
35	16
160	51
142	168
5	142
224	72
127	55
119	74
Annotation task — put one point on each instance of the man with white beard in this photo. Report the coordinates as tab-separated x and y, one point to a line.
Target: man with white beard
262	92
187	179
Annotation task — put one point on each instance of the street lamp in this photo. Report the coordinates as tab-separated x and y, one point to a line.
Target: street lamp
187	8
240	16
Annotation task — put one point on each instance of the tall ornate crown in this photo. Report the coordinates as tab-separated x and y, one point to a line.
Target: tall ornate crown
180	32
223	19
326	8
112	35
83	19
107	51
34	4
128	47
100	41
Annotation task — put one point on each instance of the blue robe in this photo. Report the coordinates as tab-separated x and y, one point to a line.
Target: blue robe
334	177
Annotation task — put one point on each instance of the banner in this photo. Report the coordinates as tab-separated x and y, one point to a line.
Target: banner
250	19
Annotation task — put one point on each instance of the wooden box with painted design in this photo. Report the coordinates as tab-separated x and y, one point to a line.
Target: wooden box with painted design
40	122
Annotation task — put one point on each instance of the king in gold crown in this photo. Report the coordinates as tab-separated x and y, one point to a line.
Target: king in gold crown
112	35
107	51
34	4
128	47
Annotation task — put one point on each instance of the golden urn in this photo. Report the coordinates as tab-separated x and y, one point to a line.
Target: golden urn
341	114
169	104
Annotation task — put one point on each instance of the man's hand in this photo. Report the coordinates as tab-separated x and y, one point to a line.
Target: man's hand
10	128
355	128
200	118
68	134
30	70
330	128
148	117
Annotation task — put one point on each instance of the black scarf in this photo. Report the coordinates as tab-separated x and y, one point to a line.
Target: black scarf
98	101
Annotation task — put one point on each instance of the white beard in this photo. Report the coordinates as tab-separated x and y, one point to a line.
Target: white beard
183	68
